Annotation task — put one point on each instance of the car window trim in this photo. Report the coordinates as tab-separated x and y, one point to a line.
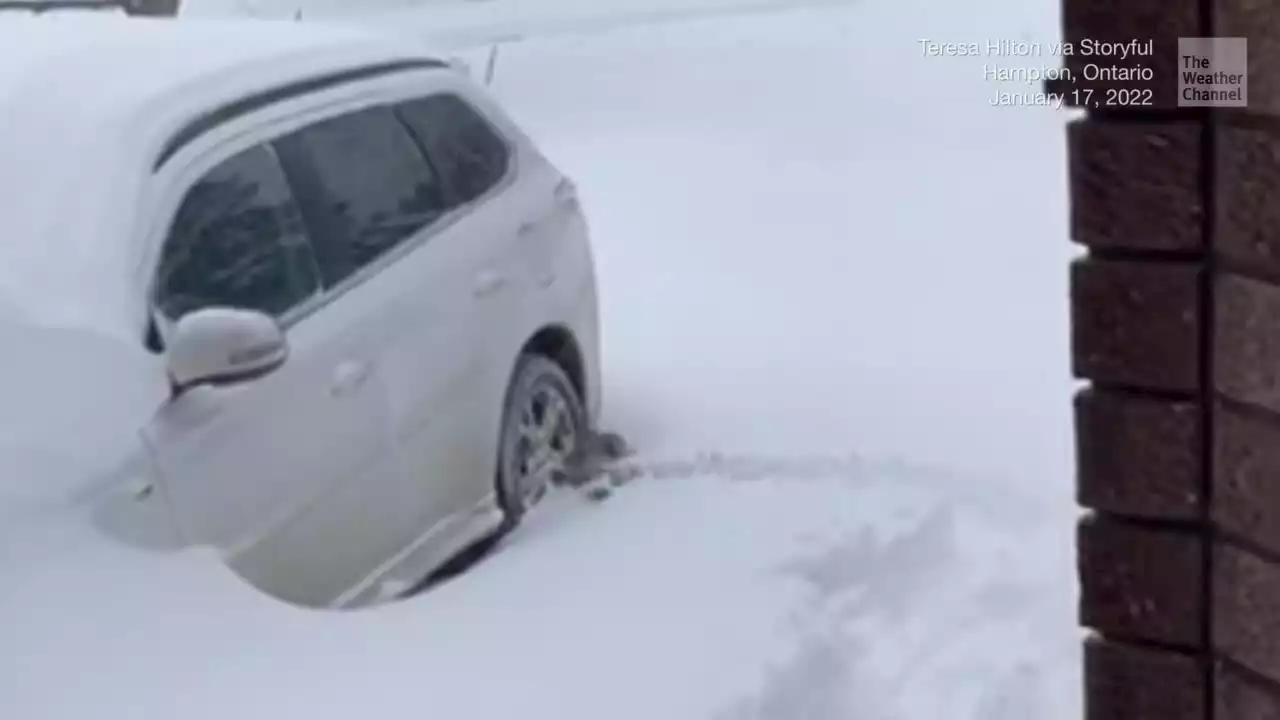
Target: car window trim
243	106
392	98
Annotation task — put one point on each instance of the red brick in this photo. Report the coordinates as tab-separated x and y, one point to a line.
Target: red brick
1136	186
1247	221
1162	21
1260	24
1141	583
1246	609
1123	682
1247	341
1137	455
1136	324
1235	698
1246	476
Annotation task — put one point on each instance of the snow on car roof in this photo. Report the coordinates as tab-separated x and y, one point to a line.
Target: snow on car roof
88	101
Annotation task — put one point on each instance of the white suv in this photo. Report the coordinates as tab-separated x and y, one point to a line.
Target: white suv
305	295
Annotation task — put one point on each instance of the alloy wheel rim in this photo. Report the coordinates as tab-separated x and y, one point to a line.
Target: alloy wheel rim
545	437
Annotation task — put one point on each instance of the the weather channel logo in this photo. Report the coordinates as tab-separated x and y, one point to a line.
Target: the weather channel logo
1213	72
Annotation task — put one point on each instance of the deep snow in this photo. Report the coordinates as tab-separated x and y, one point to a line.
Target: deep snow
814	241
826	259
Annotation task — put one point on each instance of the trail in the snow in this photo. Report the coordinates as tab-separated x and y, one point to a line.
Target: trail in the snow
898	611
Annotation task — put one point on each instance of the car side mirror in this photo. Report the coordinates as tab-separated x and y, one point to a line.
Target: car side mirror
224	346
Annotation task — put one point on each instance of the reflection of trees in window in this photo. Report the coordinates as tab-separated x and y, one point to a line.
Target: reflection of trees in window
371	187
384	228
467	152
237	241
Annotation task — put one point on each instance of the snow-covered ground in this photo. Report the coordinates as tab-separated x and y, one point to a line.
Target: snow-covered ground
834	286
816	243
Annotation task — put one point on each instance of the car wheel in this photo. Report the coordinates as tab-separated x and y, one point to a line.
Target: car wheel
543	430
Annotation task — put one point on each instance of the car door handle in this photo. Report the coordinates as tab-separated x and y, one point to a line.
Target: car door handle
348	377
488	282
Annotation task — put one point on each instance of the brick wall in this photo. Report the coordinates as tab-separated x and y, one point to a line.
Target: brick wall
1176	326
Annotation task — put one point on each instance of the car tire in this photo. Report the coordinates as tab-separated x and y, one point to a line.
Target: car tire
544	429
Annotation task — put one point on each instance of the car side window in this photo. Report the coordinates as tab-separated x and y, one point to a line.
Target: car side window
468	152
364	185
238	241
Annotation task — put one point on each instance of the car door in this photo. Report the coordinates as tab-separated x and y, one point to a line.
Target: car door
385	248
272	472
478	166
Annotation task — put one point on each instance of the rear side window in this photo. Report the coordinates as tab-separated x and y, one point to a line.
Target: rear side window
462	145
238	241
364	187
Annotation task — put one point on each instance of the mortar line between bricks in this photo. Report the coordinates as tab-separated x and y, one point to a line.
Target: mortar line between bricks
1209	193
1246	119
1247	410
1248	545
1154	524
1251	677
1241	269
1149	644
1150	256
1144	393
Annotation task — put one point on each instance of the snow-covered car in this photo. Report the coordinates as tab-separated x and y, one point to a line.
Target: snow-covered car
306	296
